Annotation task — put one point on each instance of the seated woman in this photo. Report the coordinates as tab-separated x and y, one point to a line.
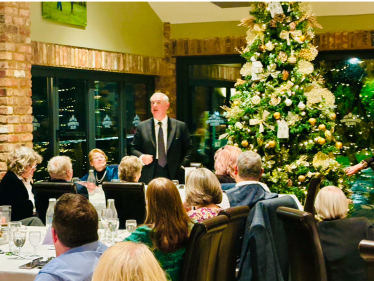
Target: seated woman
340	236
128	261
15	188
166	228
204	193
130	169
102	172
224	163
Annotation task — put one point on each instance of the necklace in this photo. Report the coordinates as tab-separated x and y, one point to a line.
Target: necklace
102	178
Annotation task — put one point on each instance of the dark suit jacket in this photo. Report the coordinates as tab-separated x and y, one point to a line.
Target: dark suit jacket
370	162
339	240
13	192
179	148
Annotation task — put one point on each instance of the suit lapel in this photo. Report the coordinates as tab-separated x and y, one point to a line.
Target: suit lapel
151	131
172	127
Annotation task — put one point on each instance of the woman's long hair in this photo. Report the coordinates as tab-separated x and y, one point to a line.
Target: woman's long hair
166	215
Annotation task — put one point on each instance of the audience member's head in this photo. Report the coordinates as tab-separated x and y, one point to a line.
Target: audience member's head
128	261
331	203
225	160
75	222
60	168
202	188
97	159
249	167
130	169
167	216
23	161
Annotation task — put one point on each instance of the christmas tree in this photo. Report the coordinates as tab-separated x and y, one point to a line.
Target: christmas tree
281	109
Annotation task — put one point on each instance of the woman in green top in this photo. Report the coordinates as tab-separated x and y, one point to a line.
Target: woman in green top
166	228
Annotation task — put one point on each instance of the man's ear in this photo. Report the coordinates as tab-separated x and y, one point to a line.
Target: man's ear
236	170
54	236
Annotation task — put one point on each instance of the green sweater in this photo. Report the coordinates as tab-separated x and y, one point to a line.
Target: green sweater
171	263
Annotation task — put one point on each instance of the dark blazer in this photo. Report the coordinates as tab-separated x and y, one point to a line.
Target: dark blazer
13	192
81	189
339	240
179	148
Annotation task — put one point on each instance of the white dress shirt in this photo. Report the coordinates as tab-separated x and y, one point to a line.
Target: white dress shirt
165	133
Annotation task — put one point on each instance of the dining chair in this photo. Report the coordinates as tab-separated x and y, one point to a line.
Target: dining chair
366	249
312	191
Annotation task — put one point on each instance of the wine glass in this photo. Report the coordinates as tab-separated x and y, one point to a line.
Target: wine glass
131	225
13	227
35	238
106	214
113	225
19	239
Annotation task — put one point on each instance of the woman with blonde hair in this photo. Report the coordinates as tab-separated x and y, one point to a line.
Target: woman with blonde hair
130	169
225	162
166	228
128	261
340	236
203	193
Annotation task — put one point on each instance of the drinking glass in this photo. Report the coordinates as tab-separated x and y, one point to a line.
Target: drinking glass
131	225
19	239
35	237
106	214
113	225
13	226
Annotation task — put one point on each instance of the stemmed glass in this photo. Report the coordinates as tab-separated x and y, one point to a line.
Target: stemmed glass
106	214
35	238
13	227
131	225
19	239
113	225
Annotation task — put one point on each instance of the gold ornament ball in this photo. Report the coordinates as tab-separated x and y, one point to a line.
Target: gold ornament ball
301	178
312	121
277	115
244	143
292	59
303	113
236	102
316	139
332	116
262	48
235	144
321	141
271	144
302	38
338	145
322	127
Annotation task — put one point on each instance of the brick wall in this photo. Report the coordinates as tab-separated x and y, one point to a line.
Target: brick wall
15	79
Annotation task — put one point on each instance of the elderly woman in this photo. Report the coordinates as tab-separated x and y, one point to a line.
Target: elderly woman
204	193
102	172
128	261
130	169
225	162
340	236
15	189
166	228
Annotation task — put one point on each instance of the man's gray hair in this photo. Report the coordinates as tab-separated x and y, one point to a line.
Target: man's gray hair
164	97
249	165
58	167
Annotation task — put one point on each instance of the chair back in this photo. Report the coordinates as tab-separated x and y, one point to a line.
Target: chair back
129	200
366	248
304	247
43	191
313	189
201	257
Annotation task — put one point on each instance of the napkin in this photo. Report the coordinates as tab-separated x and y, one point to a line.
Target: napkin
48	237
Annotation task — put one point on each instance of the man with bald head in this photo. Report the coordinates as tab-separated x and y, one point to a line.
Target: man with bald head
162	143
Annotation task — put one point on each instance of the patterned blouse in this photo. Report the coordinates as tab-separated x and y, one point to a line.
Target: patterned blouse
203	213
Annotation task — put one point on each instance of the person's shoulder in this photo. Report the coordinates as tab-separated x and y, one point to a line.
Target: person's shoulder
144	123
53	270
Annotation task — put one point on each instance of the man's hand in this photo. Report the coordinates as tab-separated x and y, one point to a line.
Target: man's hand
147	159
350	171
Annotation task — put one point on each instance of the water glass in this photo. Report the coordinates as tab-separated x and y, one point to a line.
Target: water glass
13	227
35	237
19	239
131	225
106	214
113	225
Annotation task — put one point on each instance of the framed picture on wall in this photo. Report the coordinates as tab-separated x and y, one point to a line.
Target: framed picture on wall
74	13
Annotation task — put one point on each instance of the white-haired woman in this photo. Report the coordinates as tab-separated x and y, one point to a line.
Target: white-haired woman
128	261
340	236
14	187
130	169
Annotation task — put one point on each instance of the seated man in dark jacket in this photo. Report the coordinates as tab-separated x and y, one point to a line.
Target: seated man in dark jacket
248	190
60	169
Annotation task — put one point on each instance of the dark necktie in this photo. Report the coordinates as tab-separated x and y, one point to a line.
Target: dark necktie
162	161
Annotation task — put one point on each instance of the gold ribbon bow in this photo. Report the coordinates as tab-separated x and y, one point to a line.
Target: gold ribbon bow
267	160
302	161
262	122
286	35
271	71
285	87
256	31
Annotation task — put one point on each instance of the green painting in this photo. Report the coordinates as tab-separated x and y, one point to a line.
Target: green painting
74	13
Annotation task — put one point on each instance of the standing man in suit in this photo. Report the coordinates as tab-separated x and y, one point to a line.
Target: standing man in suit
162	143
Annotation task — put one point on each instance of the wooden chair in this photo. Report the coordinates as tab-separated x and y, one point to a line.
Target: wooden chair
366	248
